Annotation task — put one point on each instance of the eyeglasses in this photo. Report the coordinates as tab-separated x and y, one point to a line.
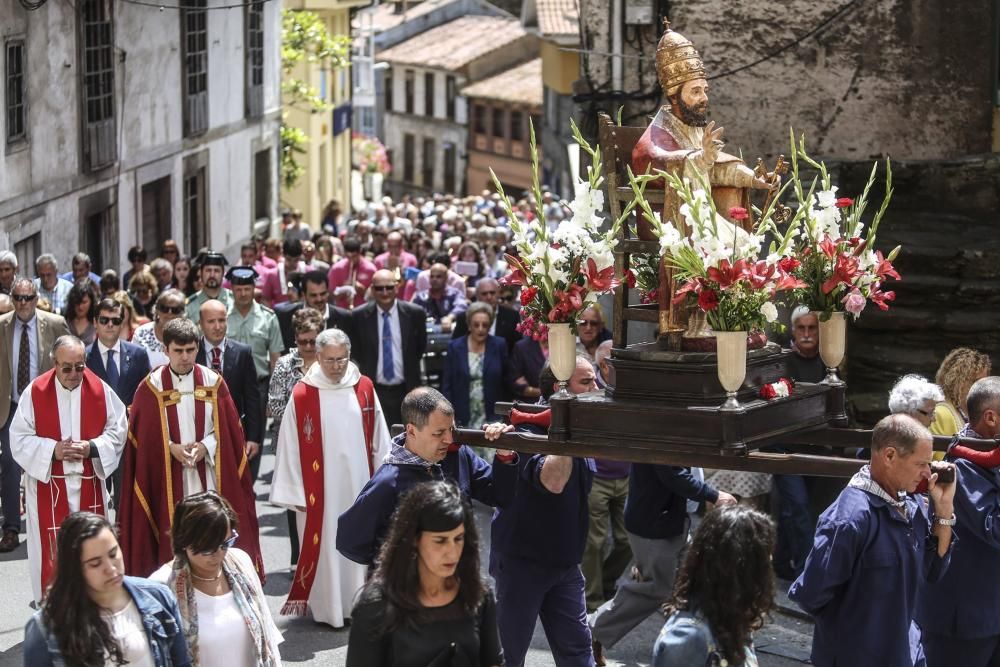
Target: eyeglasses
336	361
173	310
311	342
383	288
225	546
926	413
110	320
23	298
69	368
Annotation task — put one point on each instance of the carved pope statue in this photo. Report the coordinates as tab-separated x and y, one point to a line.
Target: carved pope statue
682	141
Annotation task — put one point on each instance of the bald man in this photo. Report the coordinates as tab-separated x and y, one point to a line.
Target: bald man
389	337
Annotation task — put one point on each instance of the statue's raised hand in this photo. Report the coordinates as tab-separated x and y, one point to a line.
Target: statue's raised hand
711	142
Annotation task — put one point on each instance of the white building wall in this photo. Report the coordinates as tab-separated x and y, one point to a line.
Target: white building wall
41	185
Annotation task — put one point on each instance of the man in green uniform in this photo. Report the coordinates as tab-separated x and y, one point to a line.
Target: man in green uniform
212	266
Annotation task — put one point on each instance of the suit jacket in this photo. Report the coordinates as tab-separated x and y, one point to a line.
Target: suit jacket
455	379
507	320
336	317
240	375
133	367
365	342
49	327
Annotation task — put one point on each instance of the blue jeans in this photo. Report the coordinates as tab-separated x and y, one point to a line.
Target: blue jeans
795	524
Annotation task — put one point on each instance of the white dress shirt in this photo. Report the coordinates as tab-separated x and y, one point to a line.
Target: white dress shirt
117	349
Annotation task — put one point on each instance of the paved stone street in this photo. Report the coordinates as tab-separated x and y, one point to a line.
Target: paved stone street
783	642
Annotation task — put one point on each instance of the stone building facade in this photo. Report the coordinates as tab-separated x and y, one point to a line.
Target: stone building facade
125	125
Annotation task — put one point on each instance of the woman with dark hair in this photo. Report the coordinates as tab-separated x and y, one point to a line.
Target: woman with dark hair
81	310
223	611
94	615
427	603
723	592
182	276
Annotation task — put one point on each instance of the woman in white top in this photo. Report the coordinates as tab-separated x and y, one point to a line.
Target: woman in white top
95	616
223	611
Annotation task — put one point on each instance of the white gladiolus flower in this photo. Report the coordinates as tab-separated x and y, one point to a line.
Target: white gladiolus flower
769	311
827	198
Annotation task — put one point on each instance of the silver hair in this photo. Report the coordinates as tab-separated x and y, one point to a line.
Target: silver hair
47	258
799	312
7	257
26	282
477	307
333	336
911	392
603	351
65	340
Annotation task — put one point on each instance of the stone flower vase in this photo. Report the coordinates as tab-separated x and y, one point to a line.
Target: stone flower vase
731	351
562	356
832	344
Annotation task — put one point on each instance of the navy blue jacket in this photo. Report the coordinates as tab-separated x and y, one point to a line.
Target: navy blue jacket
133	367
362	528
965	603
541	526
656	507
160	618
862	578
455	378
240	375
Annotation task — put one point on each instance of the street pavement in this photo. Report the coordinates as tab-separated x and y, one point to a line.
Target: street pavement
782	642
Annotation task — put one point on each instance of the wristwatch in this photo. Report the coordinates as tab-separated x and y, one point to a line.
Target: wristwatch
946	522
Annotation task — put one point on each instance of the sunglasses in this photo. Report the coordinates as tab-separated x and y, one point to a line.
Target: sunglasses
383	288
110	320
69	368
173	310
225	546
589	323
23	298
306	343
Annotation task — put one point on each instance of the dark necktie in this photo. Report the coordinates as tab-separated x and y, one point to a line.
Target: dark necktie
217	360
113	375
388	372
23	361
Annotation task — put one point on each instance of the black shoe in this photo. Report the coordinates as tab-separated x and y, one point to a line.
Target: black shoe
9	541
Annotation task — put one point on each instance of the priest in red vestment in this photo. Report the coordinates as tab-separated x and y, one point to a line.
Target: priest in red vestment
184	437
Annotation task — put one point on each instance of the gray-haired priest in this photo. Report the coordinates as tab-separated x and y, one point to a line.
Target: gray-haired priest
68	434
332	438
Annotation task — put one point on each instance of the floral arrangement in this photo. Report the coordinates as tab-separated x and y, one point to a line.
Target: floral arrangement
836	256
783	388
370	154
562	272
717	265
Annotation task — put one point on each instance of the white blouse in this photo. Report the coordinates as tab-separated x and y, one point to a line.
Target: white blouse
127	629
223	637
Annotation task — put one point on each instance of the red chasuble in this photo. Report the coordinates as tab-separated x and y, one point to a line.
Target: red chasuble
53	499
310	435
152	479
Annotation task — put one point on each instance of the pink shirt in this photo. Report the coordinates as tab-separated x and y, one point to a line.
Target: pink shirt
423	283
275	287
406	260
340	274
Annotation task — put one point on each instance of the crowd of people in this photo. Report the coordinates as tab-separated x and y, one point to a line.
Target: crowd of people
140	406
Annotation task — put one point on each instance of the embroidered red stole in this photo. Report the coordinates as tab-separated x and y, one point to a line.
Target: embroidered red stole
52	497
310	436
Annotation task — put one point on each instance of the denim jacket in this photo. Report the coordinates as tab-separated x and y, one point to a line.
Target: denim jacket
160	617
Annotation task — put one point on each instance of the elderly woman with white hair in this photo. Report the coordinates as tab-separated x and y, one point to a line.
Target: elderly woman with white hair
917	397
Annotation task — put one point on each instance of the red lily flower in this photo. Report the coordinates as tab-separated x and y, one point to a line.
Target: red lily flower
528	294
630	278
518	274
600	281
844	271
880	298
690	287
828	247
885	268
708	300
787	281
758	274
727	274
567	303
859	245
844	202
